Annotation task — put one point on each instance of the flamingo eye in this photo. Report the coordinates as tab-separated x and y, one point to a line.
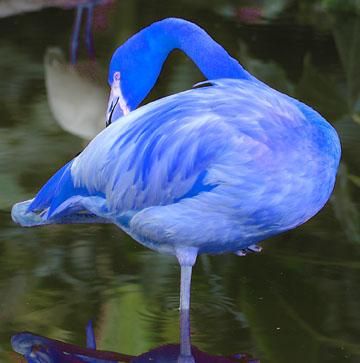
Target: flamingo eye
116	76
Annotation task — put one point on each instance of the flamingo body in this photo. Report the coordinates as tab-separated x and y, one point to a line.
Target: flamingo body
215	168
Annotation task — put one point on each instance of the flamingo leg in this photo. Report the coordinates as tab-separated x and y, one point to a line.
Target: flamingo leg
187	258
89	39
90	336
75	34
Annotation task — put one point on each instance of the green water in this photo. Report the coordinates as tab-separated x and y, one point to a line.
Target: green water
297	301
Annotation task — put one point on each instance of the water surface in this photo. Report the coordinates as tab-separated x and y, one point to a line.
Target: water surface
297	301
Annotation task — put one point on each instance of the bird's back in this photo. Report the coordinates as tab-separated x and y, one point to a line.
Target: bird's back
234	151
218	167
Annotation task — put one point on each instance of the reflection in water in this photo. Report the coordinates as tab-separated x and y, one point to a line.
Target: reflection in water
254	12
13	7
38	349
77	94
88	6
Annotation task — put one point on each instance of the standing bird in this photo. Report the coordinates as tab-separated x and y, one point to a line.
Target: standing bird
214	169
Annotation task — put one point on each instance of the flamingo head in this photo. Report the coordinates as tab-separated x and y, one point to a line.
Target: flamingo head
117	105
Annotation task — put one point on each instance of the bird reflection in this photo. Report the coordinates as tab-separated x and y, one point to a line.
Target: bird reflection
81	7
14	7
39	349
77	94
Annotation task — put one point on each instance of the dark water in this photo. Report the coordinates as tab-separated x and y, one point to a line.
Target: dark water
297	301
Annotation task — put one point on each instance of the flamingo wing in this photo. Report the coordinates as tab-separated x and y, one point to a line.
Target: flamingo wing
203	155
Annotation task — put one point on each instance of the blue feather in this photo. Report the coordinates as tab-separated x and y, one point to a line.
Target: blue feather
45	194
141	58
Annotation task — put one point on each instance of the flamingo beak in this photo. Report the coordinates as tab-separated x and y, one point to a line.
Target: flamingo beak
114	111
117	106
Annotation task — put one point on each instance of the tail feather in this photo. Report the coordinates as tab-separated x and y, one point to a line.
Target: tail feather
46	194
64	193
59	201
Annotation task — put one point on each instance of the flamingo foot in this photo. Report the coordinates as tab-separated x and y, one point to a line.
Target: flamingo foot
248	250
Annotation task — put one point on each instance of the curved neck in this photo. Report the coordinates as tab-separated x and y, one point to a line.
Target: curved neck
211	58
143	55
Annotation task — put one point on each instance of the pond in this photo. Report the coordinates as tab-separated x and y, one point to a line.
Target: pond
297	301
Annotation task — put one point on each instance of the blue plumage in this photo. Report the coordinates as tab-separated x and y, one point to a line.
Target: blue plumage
141	58
210	170
203	169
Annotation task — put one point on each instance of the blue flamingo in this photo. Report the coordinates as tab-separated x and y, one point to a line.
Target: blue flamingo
215	169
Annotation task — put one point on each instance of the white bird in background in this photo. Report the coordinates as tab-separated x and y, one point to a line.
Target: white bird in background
77	94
